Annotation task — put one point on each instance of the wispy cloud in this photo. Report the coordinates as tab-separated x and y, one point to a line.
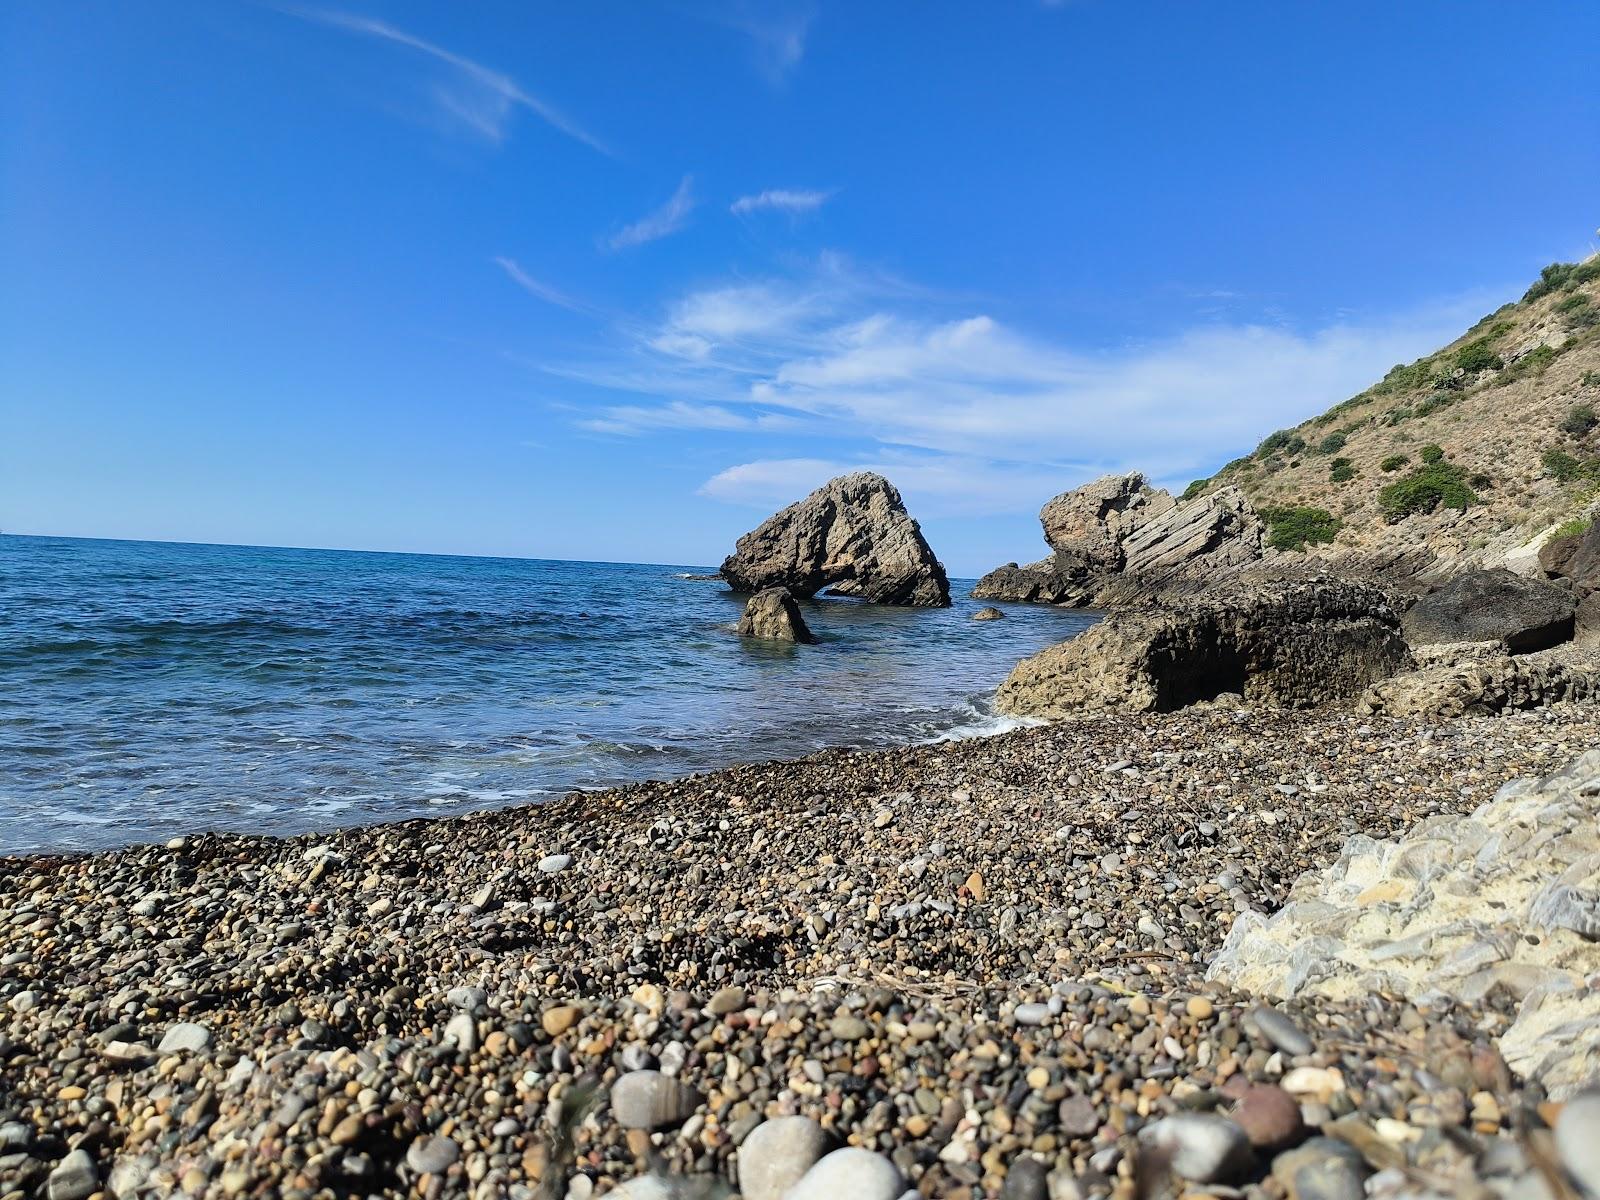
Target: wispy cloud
664	221
975	401
786	200
475	96
542	290
777	30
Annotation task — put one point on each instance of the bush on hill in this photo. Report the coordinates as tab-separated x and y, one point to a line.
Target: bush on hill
1342	470
1291	527
1437	484
1394	462
1431	454
1478	356
1580	419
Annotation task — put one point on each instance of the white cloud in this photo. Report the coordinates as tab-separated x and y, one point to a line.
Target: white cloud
473	95
777	30
985	409
542	290
631	419
787	200
666	220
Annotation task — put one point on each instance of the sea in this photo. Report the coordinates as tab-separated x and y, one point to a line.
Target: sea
152	689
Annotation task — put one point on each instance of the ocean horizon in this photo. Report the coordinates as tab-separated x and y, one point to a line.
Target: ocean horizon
149	689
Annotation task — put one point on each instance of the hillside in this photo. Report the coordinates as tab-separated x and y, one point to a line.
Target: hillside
1465	455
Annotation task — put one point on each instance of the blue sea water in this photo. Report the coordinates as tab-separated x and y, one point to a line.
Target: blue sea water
149	689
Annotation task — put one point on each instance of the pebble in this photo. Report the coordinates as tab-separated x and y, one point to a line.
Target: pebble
75	1178
652	1100
777	1153
432	1155
852	1173
1200	1146
184	1036
1269	1116
1577	1136
554	864
559	1019
1280	1030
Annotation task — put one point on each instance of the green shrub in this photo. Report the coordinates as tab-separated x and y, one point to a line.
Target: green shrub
1481	482
1576	527
1580	419
1394	462
1564	468
1591	379
1553	277
1478	356
1437	484
1534	362
1285	440
1431	454
1433	403
1194	489
1342	470
1572	303
1290	527
1403	377
1332	444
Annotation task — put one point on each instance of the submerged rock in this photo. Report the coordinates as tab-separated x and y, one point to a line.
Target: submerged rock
773	615
1283	645
1524	614
988	614
853	536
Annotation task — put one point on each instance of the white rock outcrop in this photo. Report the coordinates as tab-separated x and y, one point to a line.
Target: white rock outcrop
1507	897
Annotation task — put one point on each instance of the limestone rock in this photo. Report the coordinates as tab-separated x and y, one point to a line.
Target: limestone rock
1089	524
773	615
1487	686
1525	614
1506	898
1556	554
1283	645
852	535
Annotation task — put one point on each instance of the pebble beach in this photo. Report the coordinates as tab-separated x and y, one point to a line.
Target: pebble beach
963	969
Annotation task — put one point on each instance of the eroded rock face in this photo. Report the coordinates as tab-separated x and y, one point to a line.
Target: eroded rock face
1484	687
1038	583
853	536
773	615
1282	645
1089	524
1508	897
1523	614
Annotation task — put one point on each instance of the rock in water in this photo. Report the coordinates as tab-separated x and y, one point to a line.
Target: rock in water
852	1172
777	1154
852	535
1493	606
1283	645
988	614
774	615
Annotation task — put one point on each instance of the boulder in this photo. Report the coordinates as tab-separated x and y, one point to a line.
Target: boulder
1484	687
988	614
853	536
1411	916
773	615
1556	554
1089	524
1582	566
1288	645
1524	614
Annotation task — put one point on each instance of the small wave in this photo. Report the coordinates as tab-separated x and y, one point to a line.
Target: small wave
697	576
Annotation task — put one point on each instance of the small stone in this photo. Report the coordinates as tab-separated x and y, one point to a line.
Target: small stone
1578	1139
462	1029
184	1036
1026	1179
559	1019
1201	1147
554	864
848	1028
729	999
882	819
1199	1008
23	1002
1269	1116
75	1178
1280	1030
432	1155
1078	1117
976	888
1031	1014
852	1172
777	1154
652	1100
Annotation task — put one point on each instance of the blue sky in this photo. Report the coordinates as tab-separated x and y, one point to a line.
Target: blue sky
613	280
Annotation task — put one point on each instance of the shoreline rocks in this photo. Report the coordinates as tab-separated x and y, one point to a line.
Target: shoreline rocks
852	536
1284	645
1493	606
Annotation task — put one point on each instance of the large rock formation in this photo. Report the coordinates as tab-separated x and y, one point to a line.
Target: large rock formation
1284	645
1088	525
773	615
1483	606
1481	687
1118	541
853	536
1506	899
